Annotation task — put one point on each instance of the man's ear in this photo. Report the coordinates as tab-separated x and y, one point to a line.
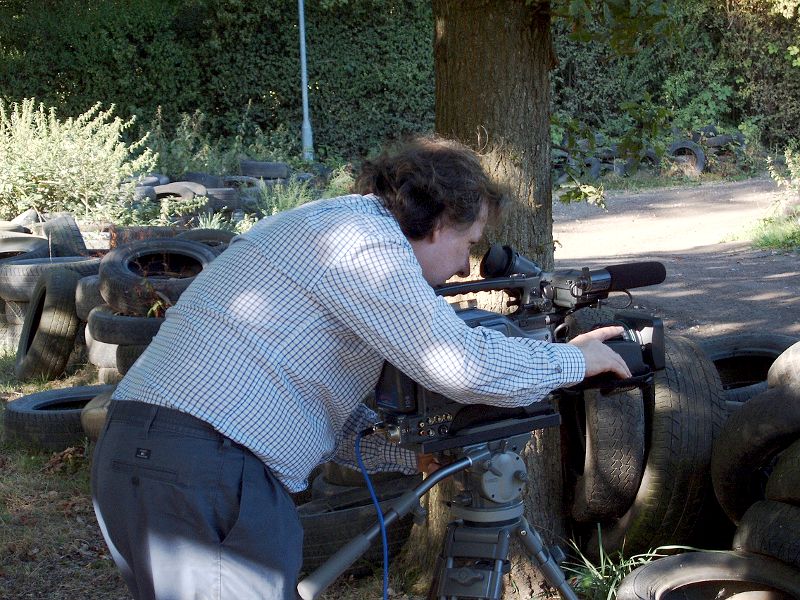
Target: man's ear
433	236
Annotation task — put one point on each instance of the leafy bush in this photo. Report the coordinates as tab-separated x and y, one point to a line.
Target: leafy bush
73	165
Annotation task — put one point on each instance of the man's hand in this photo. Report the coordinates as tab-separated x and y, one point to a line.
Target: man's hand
599	357
428	463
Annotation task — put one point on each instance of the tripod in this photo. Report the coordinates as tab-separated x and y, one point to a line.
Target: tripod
488	512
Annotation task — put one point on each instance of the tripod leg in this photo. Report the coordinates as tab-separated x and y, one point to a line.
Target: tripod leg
543	560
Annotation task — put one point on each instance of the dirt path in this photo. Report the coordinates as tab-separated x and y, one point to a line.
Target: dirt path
716	283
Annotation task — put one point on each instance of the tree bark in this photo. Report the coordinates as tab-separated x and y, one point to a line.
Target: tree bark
492	59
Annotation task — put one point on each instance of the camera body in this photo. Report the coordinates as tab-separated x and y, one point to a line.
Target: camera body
425	421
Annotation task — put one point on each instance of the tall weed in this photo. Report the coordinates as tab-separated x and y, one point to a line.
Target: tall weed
190	146
272	199
599	581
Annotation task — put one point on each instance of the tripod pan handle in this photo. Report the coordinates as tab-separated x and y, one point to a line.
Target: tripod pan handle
313	585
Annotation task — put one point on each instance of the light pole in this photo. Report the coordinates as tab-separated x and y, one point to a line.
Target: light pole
308	141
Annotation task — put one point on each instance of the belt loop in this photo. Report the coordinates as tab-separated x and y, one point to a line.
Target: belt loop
150	419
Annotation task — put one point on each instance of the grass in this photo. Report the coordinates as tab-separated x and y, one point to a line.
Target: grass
777	233
672	178
50	545
600	581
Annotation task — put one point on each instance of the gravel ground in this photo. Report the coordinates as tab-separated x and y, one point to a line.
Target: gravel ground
716	282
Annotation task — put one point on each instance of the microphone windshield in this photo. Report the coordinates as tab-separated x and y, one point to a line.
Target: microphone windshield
635	275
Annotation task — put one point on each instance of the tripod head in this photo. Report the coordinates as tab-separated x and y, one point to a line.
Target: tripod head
491	487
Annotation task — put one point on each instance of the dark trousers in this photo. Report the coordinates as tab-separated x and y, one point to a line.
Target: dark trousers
186	513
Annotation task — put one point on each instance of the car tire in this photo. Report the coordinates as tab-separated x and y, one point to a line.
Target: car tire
704	575
786	369
100	354
216	239
49	420
18	279
783	484
750	439
614	456
23	246
605	439
127	355
87	296
690	153
135	277
264	170
743	360
51	325
772	529
64	236
111	328
330	523
684	415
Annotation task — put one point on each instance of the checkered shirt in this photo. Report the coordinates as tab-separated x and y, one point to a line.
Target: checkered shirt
279	340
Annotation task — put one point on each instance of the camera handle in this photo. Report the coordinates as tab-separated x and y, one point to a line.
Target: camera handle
487	513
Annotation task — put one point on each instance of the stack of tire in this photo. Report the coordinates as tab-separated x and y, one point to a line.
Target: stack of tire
135	282
38	290
637	464
755	471
108	299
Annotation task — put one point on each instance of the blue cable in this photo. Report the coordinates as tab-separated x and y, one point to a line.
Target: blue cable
380	515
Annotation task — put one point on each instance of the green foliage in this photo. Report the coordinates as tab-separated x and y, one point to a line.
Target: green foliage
575	190
341	182
72	165
166	211
648	122
782	228
788	178
776	232
215	221
191	146
623	24
715	64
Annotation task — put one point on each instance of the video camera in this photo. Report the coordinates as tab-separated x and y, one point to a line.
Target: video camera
425	421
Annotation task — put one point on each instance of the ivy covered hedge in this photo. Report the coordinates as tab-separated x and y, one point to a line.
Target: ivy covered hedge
371	67
235	61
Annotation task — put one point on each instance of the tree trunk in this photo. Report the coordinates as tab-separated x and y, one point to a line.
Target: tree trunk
492	59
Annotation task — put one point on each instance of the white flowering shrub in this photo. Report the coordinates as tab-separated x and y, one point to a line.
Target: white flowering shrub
80	165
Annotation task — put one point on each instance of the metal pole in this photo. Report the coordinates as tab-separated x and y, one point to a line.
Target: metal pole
308	142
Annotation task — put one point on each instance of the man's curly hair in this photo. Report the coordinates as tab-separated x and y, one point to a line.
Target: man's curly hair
430	181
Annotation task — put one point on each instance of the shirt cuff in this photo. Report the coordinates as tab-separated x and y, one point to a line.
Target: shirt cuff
571	362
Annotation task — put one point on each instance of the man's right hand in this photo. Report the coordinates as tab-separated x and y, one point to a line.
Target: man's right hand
600	358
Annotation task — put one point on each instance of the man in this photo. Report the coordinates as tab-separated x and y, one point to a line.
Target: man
258	372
